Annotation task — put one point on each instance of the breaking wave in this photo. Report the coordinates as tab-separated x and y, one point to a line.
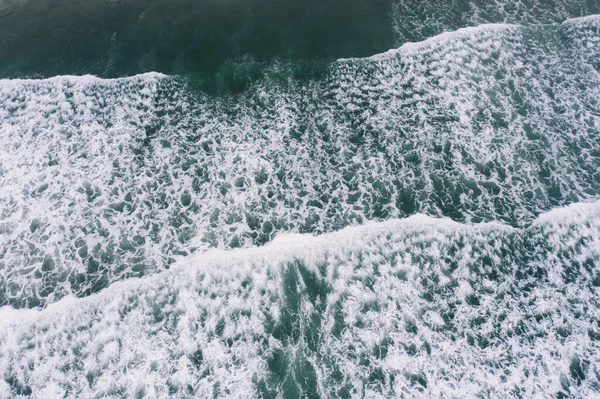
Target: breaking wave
110	179
419	223
420	306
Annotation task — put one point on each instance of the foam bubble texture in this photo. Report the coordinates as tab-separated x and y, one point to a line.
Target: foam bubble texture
416	307
104	180
416	21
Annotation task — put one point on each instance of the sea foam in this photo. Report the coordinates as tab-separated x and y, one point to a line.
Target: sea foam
104	180
418	306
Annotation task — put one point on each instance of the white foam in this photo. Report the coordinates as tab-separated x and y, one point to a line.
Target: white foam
82	79
577	212
593	19
416	22
144	333
105	180
444	38
504	311
441	39
286	247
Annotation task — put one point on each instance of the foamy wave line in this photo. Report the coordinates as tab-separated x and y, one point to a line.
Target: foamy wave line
289	246
410	48
85	79
594	18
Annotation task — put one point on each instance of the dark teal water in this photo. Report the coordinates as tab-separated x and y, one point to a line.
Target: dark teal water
206	39
252	199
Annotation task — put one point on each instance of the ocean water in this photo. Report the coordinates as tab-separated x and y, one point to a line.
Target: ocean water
204	198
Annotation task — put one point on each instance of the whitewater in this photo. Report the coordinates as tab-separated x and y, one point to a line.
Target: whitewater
419	306
423	222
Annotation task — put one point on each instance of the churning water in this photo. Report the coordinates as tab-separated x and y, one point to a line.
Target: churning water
251	198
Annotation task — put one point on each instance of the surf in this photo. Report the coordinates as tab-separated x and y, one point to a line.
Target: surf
423	222
409	297
105	180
